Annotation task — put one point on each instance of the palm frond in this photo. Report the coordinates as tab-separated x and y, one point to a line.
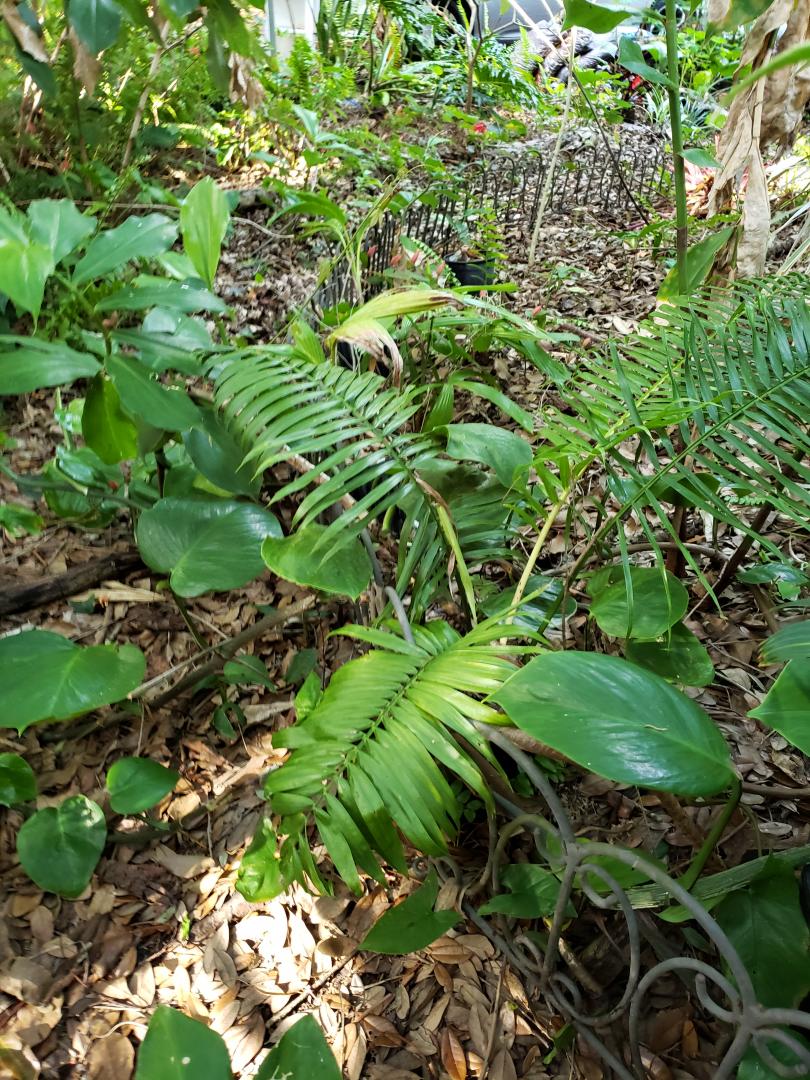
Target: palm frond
369	762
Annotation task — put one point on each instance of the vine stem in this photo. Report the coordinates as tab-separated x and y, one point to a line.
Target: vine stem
673	92
713	839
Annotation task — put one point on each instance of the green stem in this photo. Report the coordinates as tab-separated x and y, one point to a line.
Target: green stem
713	839
673	91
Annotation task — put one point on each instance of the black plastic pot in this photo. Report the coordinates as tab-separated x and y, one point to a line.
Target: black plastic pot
473	271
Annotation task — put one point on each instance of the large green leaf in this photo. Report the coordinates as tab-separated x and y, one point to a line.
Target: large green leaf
787	705
411	925
96	22
136	238
533	893
179	1048
678	656
136	784
204	220
791	642
654	601
41	363
699	259
148	400
618	720
219	457
259	877
631	58
17	781
205	544
752	1067
302	1054
24	269
502	450
344	570
60	846
602	16
59	225
106	427
767	928
43	676
148	291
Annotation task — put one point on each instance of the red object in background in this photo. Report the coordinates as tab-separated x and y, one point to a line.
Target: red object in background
480	127
636	82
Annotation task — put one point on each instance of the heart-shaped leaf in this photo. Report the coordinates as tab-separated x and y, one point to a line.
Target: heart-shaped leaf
136	238
149	400
345	570
618	720
786	707
654	602
43	676
179	1048
302	1054
205	544
502	450
106	427
533	893
136	784
678	656
17	781
411	925
24	269
60	846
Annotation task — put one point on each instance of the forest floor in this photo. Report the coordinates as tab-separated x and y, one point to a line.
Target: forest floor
162	922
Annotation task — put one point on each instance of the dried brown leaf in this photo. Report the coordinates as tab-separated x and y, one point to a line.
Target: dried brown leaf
453	1057
112	1056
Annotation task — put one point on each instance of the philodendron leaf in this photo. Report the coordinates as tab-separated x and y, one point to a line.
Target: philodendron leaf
27	364
59	225
179	1048
17	781
302	1054
107	429
96	22
678	656
502	450
204	220
259	877
786	707
752	1067
136	238
411	925
147	291
654	601
24	269
791	642
149	400
136	784
600	16
618	720
205	544
699	259
769	932
345	570
60	846
43	676
631	58
533	893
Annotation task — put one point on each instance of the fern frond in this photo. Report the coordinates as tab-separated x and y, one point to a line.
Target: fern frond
369	762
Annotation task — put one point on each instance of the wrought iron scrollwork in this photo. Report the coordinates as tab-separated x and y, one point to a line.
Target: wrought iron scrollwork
722	990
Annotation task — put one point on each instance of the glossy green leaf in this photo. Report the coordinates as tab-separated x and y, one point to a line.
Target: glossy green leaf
97	23
752	1067
147	291
786	707
599	17
136	784
658	600
302	1054
219	457
24	269
411	925
678	656
765	925
179	1048
533	893
791	642
247	670
702	158
259	876
17	520
59	225
139	237
60	846
148	400
631	58
618	720
205	544
502	450
204	219
699	259
43	676
17	781
106	428
345	570
41	363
